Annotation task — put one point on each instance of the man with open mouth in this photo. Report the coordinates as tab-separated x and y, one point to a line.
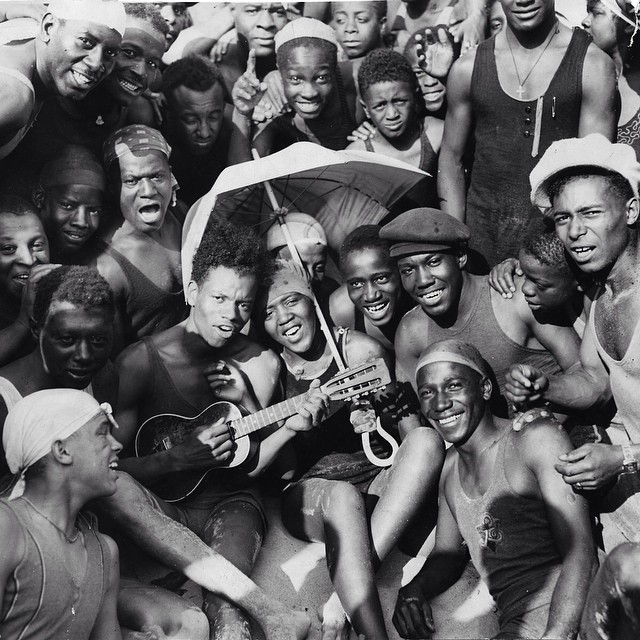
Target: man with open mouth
429	247
72	50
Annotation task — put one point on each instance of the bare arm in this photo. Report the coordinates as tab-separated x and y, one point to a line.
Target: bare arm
568	516
341	308
457	129
16	104
106	626
598	113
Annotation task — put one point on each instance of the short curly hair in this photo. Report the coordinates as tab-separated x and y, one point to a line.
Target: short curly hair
83	287
545	246
149	13
365	237
385	65
227	245
328	48
197	73
618	185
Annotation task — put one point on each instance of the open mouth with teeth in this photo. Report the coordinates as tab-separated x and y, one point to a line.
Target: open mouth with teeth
292	332
582	252
377	311
83	80
449	420
150	213
21	278
432	297
74	237
129	86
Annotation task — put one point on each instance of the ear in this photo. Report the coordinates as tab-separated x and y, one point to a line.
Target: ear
61	453
48	26
192	293
364	108
462	258
487	388
633	210
38	196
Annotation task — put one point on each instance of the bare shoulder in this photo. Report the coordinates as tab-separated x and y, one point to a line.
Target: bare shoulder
362	348
462	68
133	361
595	56
540	441
341	308
112	272
410	328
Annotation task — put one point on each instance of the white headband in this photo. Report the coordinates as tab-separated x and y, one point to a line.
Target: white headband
447	356
305	28
109	13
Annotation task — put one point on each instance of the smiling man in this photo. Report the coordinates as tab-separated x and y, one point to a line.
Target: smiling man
430	249
502	504
74	50
590	188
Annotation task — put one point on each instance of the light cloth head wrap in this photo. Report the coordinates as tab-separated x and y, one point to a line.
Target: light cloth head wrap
613	6
73	165
133	138
454	351
305	28
288	278
593	150
109	13
305	230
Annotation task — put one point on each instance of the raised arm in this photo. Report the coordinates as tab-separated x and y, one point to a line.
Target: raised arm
598	113
457	129
568	514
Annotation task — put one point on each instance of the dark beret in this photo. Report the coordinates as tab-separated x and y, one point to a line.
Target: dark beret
422	230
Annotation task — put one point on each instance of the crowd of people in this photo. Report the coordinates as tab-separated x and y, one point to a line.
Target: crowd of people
149	399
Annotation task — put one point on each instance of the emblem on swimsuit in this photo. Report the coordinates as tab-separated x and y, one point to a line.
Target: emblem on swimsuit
489	530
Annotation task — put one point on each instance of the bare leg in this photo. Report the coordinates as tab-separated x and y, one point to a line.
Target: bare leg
145	608
333	512
235	531
404	488
612	611
138	515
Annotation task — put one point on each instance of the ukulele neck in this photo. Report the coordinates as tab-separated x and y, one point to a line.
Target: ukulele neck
263	418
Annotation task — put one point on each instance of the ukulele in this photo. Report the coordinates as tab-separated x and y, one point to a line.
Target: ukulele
164	431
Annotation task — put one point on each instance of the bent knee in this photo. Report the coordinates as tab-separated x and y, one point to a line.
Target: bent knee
624	563
424	442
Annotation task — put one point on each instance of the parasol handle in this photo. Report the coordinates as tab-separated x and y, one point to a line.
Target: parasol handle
328	334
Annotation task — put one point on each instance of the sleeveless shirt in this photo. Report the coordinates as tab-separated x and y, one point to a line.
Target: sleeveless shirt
624	376
499	211
9	146
42	601
148	308
484	332
511	545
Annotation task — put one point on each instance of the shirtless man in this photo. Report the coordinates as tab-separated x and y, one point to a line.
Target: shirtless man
73	320
501	95
591	186
141	257
429	247
58	576
73	50
185	369
24	259
538	565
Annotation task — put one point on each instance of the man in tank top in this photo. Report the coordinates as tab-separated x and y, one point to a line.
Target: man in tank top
535	82
430	249
502	504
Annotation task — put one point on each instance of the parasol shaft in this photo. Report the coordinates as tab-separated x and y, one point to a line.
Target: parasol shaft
328	334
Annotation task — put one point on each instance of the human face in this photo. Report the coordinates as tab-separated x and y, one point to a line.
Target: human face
23	244
290	320
137	64
313	256
308	76
433	91
453	398
222	305
601	24
357	28
71	215
176	15
528	15
78	55
145	192
197	117
391	107
75	343
545	288
373	284
592	223
433	280
257	25
95	456
496	18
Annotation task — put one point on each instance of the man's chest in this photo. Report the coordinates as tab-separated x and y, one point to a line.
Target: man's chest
616	320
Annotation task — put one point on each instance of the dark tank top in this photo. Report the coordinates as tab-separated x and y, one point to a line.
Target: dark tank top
483	331
148	308
42	600
332	451
286	133
511	544
499	210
